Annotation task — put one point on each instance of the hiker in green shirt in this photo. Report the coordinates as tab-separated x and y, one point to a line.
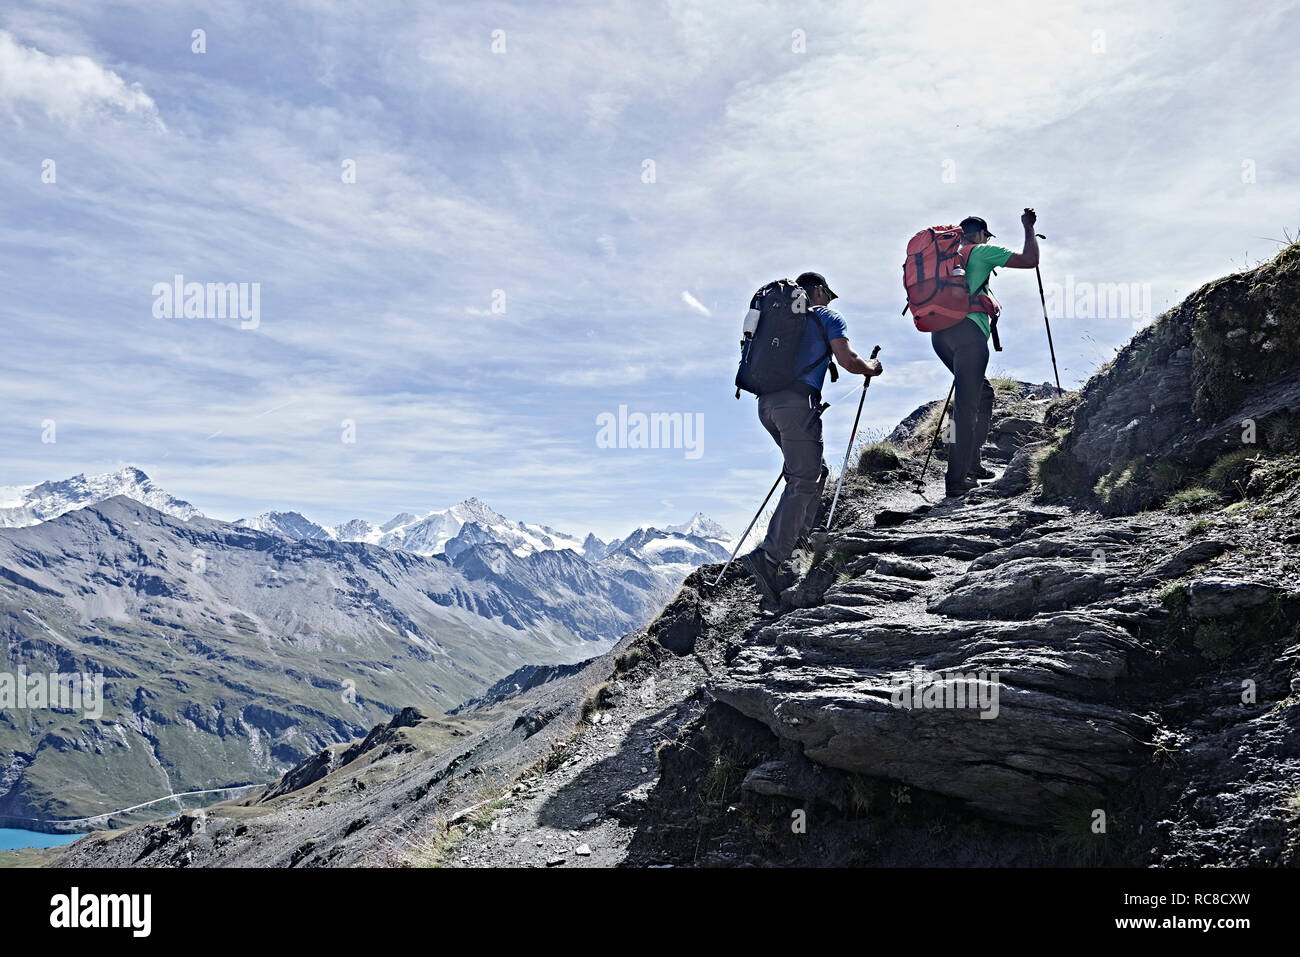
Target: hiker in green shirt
964	349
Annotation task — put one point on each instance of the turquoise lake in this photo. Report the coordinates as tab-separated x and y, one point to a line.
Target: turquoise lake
12	837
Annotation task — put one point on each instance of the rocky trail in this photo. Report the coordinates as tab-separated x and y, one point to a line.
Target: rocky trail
1073	617
588	809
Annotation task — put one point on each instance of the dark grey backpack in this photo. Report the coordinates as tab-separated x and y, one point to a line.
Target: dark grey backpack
769	354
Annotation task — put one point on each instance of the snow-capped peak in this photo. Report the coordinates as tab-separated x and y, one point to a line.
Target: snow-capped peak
701	526
289	524
32	504
440	531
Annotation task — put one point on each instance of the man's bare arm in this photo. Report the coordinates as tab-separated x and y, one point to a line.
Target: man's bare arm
850	361
1027	259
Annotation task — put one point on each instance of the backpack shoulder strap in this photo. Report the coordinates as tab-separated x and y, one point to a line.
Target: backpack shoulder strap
965	253
828	354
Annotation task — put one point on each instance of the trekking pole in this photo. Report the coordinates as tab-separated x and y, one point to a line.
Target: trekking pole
824	406
1050	348
849	451
920	483
747	530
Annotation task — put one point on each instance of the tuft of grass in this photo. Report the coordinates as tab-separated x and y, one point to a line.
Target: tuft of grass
878	457
436	850
435	846
723	774
592	703
1004	384
1194	499
1231	471
1174	598
558	754
485	815
1198	527
628	660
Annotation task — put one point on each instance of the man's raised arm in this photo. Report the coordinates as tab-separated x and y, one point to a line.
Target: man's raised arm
1029	258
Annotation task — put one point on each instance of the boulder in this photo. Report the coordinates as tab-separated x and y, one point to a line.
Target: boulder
679	624
1047	737
1224	597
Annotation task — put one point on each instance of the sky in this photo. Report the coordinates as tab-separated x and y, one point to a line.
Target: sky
474	229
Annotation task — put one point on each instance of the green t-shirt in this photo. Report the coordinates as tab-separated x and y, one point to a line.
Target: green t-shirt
979	266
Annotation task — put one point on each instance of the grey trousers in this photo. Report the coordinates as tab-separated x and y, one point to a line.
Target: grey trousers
794	423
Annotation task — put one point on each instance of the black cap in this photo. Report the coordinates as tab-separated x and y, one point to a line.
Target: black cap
972	223
811	280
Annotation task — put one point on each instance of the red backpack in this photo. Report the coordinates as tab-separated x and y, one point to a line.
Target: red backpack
934	275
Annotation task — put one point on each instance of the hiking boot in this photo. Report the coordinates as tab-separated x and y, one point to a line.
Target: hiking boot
980	472
764	573
960	489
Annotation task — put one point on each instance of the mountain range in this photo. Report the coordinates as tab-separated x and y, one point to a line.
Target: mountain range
231	650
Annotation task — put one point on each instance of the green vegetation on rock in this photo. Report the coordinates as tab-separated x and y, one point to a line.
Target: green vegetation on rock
878	457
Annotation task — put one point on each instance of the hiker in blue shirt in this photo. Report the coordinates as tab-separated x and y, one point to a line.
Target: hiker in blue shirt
793	420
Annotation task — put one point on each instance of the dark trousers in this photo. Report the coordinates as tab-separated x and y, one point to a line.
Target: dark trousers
794	423
964	349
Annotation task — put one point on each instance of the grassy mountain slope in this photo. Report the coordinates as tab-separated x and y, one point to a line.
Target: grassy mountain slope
228	654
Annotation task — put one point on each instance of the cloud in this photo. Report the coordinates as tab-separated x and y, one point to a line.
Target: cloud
520	172
695	304
604	108
66	87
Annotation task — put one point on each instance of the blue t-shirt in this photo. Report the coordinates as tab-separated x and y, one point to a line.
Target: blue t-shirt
813	345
